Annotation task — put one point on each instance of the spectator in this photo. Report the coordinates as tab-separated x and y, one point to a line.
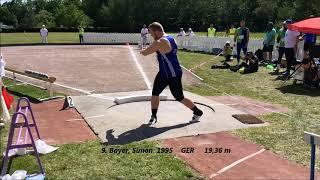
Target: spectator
181	33
232	31
44	34
211	31
309	40
290	42
241	39
144	36
190	33
280	45
268	43
81	33
250	66
227	32
227	51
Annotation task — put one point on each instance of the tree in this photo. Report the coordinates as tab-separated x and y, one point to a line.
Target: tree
44	18
7	17
70	15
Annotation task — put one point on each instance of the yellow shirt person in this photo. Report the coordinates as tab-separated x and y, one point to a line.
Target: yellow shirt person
211	31
232	31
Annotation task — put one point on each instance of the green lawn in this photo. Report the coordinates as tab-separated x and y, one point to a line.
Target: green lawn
284	135
86	160
22	38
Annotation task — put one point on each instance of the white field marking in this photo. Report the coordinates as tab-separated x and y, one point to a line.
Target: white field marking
267	109
235	163
94	116
76	89
192	73
146	80
70	120
101	97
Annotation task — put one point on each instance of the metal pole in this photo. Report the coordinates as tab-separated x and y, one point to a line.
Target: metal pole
14	79
50	90
313	158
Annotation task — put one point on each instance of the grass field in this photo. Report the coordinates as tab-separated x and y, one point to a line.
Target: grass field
284	135
54	37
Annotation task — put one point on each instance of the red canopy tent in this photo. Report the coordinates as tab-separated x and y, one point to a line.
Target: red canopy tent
311	26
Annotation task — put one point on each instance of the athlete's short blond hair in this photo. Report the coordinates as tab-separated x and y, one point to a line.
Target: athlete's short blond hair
155	26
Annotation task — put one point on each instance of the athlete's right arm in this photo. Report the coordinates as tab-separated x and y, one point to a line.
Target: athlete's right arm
161	45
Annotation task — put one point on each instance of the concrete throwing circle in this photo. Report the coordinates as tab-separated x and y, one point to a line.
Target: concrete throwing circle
120	124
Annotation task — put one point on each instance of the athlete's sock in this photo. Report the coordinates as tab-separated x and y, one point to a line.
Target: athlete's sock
197	111
154	112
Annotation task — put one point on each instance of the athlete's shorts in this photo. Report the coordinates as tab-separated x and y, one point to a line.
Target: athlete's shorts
174	83
267	48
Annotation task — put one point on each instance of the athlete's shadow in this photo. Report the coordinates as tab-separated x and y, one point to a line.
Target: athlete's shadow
138	134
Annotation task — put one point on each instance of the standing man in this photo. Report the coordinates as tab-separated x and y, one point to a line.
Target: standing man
81	33
144	36
280	45
309	41
181	33
190	33
170	72
290	42
44	34
211	31
268	43
232	31
241	39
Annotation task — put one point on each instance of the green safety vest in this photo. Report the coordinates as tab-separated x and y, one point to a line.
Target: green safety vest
81	31
211	32
232	31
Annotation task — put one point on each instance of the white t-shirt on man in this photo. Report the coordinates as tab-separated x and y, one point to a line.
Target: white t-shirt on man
44	32
290	39
144	32
182	33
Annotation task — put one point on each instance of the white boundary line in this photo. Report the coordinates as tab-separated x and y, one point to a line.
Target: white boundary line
134	58
94	116
70	120
235	163
76	89
192	73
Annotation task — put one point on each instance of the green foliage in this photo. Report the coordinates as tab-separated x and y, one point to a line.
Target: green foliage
44	17
130	15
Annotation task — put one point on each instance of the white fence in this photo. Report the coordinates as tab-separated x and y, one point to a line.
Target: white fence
194	43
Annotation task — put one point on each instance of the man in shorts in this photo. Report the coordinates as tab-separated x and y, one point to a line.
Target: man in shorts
144	36
170	72
268	43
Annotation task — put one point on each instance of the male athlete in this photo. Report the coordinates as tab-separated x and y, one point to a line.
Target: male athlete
170	72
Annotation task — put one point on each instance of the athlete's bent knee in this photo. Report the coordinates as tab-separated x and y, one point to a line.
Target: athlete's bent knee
178	97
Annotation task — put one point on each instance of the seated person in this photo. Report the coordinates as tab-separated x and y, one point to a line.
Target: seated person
227	51
250	66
